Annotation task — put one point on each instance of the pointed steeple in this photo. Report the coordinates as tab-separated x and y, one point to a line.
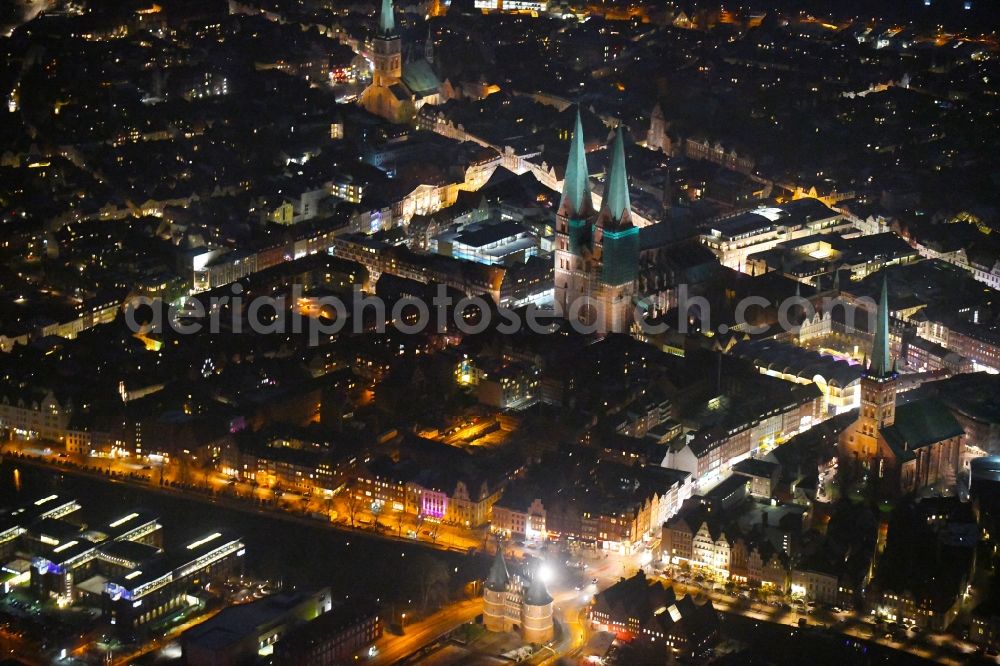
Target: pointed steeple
836	280
576	202
498	578
537	594
429	46
881	365
666	193
616	200
386	20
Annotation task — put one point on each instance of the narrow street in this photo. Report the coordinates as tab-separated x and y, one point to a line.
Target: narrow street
391	648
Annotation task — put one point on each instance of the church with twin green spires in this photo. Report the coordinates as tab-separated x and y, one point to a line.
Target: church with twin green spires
596	252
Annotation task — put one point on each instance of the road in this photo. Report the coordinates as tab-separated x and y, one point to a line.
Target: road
157	643
213	488
941	648
572	604
572	588
391	648
571	615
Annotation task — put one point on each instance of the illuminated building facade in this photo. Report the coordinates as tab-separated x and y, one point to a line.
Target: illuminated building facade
596	255
40	415
434	481
147	588
713	451
515	603
918	446
397	91
734	239
120	566
702	544
511	6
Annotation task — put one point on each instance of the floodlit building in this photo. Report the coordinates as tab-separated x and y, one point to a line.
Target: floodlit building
517	603
734	239
39	414
243	633
397	90
505	242
120	566
911	448
597	253
638	609
838	380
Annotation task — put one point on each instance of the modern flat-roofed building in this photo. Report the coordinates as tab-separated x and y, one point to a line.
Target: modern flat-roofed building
505	242
120	565
244	633
332	638
734	239
160	583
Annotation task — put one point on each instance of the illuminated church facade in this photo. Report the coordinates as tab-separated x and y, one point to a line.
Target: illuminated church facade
398	89
915	445
596	252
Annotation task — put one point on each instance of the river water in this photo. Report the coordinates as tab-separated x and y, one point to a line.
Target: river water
352	564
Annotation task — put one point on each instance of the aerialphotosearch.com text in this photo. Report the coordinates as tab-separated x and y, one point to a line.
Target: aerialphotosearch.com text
329	315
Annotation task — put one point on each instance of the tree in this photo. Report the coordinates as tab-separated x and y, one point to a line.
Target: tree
184	469
353	506
400	518
433	580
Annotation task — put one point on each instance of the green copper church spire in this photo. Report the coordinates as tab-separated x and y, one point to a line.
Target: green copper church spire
616	200
881	365
576	202
386	20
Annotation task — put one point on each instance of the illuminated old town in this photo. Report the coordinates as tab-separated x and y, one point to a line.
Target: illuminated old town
499	331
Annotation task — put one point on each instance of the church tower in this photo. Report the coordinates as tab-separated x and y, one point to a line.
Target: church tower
657	137
597	254
615	245
386	48
878	393
573	222
429	47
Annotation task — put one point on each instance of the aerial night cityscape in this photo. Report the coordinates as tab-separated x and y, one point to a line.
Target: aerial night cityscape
374	332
